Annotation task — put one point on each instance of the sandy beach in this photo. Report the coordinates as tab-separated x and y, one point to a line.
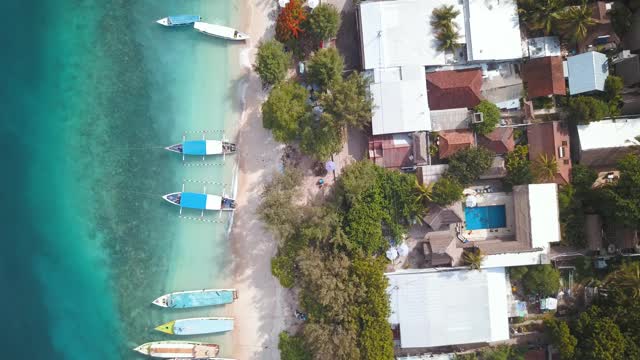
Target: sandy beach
260	311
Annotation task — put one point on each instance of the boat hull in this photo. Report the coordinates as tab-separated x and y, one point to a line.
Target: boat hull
197	298
179	20
219	31
196	326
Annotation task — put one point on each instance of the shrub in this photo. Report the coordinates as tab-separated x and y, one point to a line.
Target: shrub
324	22
284	110
466	165
292	347
272	62
518	167
491	116
542	280
585	109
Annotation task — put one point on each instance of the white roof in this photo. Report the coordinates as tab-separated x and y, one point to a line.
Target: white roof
524	258
397	33
213	147
439	308
544	214
493	30
609	133
400	99
543	46
214	202
587	72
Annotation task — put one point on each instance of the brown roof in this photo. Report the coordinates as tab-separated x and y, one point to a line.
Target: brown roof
385	151
454	89
547	138
599	12
500	140
544	76
453	140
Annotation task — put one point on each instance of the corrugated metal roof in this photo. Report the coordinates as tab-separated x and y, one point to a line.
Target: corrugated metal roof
587	72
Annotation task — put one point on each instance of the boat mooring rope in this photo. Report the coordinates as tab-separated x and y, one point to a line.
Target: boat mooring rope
203	131
204	182
203	164
201	219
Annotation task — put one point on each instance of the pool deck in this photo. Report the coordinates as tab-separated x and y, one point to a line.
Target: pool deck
494	199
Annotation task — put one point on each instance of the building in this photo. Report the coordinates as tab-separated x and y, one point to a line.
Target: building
441	308
601	34
543	47
452	141
454	89
627	66
587	72
450	119
544	76
493	30
603	143
400	98
552	140
391	151
511	229
499	141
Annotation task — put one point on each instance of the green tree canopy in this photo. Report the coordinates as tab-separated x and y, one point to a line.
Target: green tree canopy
321	137
621	18
518	167
540	15
283	111
585	109
575	21
599	338
503	352
446	191
491	116
613	86
292	347
272	62
325	67
543	280
560	336
473	257
349	101
582	177
323	22
466	165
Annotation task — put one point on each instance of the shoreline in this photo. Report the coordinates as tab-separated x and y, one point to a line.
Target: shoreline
260	309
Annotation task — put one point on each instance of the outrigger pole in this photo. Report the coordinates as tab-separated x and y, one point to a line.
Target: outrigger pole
181	195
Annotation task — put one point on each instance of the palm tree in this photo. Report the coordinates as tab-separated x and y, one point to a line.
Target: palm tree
473	257
545	168
540	14
447	39
626	278
424	192
575	21
442	21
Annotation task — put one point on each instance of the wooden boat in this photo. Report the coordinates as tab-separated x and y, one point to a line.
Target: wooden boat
178	350
196	326
178	20
200	201
220	31
196	298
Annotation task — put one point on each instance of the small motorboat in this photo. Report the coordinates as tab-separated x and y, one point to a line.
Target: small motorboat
203	147
200	201
196	298
179	20
196	326
220	31
178	350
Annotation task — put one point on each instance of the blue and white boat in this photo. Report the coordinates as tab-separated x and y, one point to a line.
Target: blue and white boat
197	326
200	201
196	298
179	20
203	147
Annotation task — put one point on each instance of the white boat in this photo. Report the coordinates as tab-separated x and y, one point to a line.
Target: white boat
178	20
178	350
197	326
220	31
196	298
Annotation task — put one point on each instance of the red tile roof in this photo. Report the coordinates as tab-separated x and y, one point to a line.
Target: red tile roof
453	140
500	140
547	138
454	89
544	76
386	152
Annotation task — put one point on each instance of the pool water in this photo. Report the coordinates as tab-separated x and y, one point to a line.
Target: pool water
485	217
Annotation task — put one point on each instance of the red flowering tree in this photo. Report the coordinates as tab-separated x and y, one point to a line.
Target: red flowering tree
290	20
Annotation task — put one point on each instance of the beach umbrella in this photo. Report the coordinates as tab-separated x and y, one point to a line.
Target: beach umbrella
472	201
403	250
313	3
283	3
330	166
392	254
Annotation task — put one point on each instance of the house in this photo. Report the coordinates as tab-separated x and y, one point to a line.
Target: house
543	47
587	72
502	84
511	229
441	308
453	140
493	30
601	34
391	151
603	143
454	89
627	66
400	98
450	119
552	140
544	76
499	141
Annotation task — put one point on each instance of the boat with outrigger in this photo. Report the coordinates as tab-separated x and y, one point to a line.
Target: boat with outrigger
179	350
203	147
200	201
179	20
196	298
197	326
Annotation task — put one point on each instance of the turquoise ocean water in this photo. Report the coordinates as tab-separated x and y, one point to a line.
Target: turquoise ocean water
91	90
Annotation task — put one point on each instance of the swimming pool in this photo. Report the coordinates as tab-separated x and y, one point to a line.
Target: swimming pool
485	217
